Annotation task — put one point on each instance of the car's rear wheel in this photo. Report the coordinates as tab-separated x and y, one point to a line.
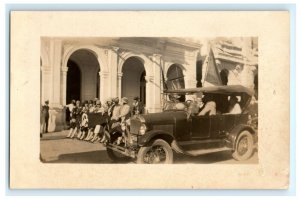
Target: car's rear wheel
244	146
158	152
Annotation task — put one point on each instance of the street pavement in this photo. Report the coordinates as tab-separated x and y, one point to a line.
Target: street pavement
56	148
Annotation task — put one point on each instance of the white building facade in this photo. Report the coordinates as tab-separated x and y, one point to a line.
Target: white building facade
87	68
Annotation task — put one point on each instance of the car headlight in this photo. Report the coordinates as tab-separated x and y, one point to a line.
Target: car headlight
143	129
123	126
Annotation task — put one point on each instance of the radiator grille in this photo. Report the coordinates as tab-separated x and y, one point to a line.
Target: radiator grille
135	125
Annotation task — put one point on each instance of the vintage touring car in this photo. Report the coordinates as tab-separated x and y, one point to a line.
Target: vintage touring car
152	138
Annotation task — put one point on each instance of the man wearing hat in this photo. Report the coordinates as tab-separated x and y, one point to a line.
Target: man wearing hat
125	110
137	106
45	117
115	116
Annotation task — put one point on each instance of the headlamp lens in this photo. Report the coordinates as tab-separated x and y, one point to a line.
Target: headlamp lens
143	129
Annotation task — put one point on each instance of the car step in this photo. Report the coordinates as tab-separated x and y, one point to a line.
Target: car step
206	151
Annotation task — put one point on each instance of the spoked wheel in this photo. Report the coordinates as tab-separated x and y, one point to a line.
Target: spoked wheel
244	146
159	152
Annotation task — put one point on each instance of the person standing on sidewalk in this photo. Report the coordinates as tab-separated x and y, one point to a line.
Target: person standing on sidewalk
45	117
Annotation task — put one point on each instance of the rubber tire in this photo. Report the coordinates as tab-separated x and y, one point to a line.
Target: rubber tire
111	154
250	151
157	142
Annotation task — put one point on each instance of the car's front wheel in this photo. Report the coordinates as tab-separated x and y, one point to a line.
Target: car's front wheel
244	146
158	152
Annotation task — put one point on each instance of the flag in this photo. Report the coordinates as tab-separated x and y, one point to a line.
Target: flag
211	72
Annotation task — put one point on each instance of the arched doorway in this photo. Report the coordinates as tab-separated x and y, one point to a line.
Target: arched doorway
224	76
199	73
98	85
73	82
133	79
143	88
175	77
87	86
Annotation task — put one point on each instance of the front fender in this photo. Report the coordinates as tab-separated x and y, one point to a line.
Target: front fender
155	134
234	133
115	133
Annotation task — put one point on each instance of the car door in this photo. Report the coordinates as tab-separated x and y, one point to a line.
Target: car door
227	123
216	122
200	127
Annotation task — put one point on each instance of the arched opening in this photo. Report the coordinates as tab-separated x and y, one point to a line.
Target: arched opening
175	77
133	80
199	73
98	85
143	88
73	82
224	76
83	81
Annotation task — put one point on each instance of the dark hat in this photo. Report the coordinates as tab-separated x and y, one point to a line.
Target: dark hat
47	102
136	98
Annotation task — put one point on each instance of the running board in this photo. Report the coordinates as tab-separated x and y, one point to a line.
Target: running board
177	149
206	151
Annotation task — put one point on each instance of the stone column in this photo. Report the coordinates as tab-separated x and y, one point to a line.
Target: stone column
104	86
46	83
149	97
113	65
57	113
190	80
120	75
64	71
55	56
155	105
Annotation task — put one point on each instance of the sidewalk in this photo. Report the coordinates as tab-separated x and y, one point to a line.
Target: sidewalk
55	147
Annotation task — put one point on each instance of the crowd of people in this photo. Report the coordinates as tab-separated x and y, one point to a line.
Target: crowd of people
112	114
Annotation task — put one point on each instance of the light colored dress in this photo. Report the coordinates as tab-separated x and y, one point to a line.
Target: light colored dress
210	108
236	109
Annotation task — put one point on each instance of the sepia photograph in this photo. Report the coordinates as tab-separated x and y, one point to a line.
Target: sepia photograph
149	100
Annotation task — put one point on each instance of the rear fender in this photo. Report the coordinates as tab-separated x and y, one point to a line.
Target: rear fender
233	135
145	139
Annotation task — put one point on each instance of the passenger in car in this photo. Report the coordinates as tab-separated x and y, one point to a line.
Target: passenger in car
195	106
180	106
209	107
234	106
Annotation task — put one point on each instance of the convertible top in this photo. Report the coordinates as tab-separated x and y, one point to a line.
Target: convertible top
224	89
